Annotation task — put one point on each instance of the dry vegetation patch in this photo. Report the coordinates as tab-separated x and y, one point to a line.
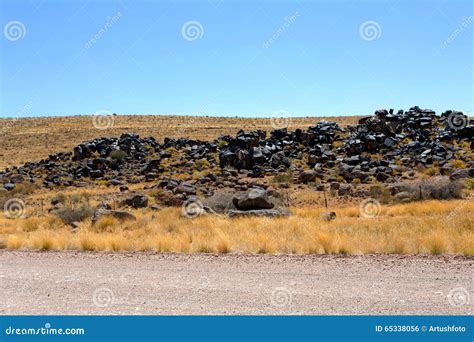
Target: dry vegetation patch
428	227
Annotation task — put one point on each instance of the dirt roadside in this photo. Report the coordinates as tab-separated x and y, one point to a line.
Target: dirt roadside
158	284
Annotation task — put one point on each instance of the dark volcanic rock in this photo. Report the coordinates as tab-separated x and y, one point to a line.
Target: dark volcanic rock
381	147
253	199
462	173
136	201
9	186
307	176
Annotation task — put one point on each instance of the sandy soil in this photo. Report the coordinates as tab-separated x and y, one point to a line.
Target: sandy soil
148	283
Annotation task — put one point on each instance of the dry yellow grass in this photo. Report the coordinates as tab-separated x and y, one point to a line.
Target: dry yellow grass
430	227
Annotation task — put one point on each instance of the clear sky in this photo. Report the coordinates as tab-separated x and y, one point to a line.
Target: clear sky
244	58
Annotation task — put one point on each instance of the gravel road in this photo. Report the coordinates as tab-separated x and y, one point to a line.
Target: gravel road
149	283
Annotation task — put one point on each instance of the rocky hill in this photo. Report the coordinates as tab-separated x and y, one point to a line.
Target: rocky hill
387	147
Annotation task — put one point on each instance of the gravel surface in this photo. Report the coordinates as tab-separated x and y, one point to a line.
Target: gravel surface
159	284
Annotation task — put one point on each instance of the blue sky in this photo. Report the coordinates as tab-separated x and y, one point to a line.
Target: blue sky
247	58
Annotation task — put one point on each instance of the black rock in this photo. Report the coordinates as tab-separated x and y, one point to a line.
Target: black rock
307	176
9	186
136	201
253	199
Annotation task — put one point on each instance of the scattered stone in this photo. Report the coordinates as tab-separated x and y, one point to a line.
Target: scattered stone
403	196
307	176
328	215
136	201
9	186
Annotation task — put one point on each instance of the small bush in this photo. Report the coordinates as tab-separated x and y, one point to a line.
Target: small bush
283	178
438	188
380	192
20	189
69	215
202	163
441	190
431	171
469	183
458	164
59	198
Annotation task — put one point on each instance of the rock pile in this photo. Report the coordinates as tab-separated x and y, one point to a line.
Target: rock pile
380	148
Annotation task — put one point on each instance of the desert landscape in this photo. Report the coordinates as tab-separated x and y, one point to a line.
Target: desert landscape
392	188
387	183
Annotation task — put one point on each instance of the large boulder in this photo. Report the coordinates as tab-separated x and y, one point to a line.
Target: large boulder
461	174
136	201
254	199
185	188
307	176
220	202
